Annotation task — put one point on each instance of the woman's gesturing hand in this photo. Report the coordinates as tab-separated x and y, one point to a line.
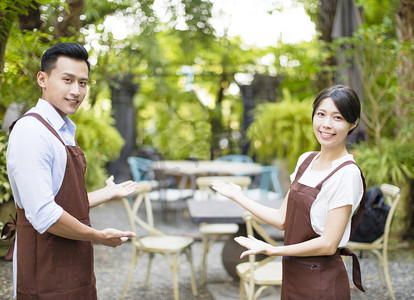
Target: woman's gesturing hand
229	190
254	245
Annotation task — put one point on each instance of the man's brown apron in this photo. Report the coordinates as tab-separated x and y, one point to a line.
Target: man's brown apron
49	266
314	277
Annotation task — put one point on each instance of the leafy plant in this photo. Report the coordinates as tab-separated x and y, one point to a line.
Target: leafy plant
100	141
282	129
392	163
5	189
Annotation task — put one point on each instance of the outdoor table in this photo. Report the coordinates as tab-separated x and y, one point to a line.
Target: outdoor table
213	211
189	170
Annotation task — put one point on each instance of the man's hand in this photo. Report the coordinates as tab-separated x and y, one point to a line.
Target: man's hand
254	245
123	189
113	238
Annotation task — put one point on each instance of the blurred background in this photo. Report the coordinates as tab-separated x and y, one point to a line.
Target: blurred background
200	79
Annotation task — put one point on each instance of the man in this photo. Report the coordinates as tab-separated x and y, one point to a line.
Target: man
53	257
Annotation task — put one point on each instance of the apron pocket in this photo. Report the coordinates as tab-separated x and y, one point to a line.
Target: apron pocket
301	278
73	261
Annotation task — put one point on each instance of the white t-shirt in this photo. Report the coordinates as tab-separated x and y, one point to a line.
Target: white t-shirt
344	187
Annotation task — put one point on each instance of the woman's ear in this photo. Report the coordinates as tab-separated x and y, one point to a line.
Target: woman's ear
354	125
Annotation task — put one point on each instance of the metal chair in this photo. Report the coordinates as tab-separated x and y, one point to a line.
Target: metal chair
264	273
213	231
268	186
162	190
380	246
171	247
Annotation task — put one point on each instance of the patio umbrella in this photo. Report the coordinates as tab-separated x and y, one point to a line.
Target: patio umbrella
346	21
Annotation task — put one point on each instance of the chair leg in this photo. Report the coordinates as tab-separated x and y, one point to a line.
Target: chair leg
150	258
387	275
174	269
134	260
242	290
204	259
380	265
189	255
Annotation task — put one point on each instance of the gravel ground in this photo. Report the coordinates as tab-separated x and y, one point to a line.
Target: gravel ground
112	265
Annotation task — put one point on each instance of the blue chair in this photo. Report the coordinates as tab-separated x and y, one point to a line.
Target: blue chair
162	189
236	158
267	183
140	168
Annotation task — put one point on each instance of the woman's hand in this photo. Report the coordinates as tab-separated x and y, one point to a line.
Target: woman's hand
254	245
229	190
121	190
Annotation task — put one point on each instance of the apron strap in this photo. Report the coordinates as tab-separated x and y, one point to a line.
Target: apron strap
304	165
39	117
356	270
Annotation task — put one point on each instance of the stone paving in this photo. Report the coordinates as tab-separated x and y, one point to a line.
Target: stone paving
112	265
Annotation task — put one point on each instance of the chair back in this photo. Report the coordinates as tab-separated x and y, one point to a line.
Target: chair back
132	207
264	272
392	198
204	183
236	158
254	225
140	168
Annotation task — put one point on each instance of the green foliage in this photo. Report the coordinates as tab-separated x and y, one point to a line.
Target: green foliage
172	121
283	129
392	163
5	189
300	64
100	141
375	51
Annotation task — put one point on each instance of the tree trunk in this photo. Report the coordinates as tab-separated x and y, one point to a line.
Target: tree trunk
404	110
123	91
262	89
324	24
31	20
405	32
71	22
6	25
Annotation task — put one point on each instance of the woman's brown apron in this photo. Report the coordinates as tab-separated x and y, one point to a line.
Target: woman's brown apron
314	277
52	267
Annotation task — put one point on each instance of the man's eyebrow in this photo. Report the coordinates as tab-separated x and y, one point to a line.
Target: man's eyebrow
73	76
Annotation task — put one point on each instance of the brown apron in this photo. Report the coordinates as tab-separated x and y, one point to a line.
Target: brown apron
52	267
314	277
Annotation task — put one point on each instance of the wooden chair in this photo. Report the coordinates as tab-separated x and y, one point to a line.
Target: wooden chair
264	273
171	247
213	231
380	246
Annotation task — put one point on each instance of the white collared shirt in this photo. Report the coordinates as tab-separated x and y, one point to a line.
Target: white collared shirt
344	187
36	165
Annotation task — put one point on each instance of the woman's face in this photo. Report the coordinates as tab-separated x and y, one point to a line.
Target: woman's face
329	126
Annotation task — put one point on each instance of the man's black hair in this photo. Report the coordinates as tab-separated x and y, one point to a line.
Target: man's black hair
72	50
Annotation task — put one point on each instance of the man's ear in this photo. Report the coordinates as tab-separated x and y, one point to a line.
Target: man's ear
41	78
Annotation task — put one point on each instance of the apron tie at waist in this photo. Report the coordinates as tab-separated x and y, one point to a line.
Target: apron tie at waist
7	233
356	270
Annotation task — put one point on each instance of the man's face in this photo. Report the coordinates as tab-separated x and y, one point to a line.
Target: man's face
66	85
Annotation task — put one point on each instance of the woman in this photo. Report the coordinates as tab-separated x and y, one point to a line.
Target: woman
317	213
